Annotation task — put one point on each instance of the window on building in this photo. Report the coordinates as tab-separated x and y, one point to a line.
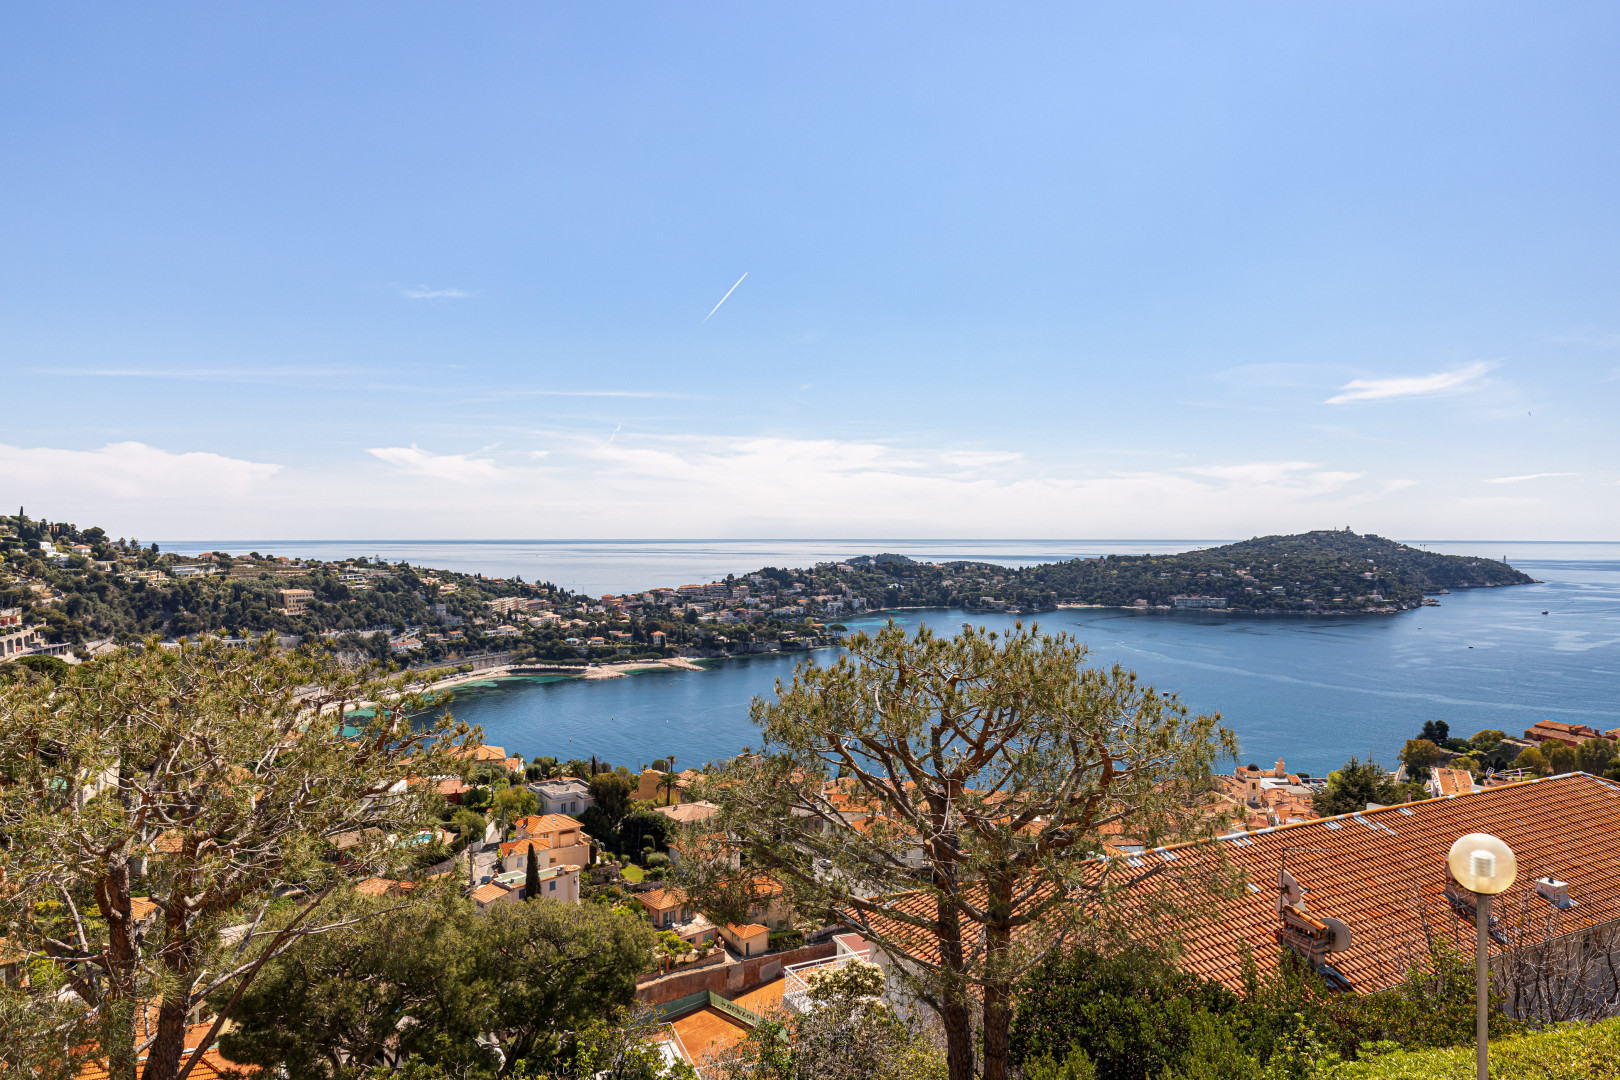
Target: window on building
553	886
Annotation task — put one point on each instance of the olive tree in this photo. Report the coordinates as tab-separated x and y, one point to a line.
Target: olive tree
951	799
157	805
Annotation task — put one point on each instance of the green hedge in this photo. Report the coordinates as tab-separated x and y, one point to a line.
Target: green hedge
1572	1052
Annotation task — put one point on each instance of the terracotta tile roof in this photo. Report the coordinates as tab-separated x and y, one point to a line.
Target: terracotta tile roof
140	907
662	899
546	823
1383	873
686	813
1556	731
212	1066
745	932
381	886
486	893
539	843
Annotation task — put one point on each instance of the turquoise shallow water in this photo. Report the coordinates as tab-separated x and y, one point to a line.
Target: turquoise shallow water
1311	690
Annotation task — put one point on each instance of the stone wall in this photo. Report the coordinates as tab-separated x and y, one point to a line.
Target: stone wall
728	978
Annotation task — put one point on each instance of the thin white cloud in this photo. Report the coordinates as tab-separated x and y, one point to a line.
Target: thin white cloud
1408	386
427	292
1527	476
128	470
457	468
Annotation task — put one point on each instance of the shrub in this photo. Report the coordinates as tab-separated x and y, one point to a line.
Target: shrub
1077	1066
1130	1011
1567	1052
854	980
1213	1053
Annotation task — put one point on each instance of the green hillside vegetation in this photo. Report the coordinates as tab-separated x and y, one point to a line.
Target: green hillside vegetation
119	590
1571	1052
1316	571
1323	571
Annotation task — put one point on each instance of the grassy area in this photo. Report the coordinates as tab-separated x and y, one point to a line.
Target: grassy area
631	872
1574	1052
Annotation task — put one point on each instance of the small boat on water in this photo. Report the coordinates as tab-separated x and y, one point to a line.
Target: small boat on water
1544	613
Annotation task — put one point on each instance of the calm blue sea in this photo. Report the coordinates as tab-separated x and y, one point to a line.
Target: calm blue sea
1312	691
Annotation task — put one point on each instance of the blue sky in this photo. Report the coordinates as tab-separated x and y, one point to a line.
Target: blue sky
410	270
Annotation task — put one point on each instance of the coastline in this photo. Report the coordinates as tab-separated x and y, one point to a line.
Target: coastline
623	669
594	673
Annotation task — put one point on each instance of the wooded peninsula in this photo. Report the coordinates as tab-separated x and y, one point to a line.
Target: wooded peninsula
76	589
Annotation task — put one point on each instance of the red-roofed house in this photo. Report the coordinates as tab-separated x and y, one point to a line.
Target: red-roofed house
515	853
1559	732
565	838
493	893
1444	782
750	940
1383	873
668	909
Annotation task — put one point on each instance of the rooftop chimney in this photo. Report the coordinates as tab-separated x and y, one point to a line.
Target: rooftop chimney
1556	892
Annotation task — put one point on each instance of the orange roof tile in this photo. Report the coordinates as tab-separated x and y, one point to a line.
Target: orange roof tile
486	893
539	843
547	823
1383	873
662	899
745	932
212	1066
381	886
688	812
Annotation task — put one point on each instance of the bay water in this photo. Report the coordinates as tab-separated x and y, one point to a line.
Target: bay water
1311	690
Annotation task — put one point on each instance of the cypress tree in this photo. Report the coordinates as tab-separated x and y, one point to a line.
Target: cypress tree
531	878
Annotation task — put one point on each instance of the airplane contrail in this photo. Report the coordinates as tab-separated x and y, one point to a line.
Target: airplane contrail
724	298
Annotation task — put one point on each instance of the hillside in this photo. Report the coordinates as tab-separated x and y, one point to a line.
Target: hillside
80	587
1315	571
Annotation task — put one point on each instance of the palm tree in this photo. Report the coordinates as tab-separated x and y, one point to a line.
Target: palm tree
667	784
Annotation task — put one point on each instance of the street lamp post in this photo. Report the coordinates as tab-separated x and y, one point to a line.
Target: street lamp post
1485	866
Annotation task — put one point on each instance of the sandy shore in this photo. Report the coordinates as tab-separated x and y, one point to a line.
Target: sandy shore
588	674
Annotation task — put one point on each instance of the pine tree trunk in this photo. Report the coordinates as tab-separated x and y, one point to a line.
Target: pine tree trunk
166	1056
163	1059
119	998
955	1010
997	991
997	1020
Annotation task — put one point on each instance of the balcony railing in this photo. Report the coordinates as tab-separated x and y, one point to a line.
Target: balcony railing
796	982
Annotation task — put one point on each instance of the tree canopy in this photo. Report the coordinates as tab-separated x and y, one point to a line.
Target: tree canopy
492	992
216	787
982	776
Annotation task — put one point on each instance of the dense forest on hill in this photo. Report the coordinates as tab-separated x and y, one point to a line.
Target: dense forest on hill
81	587
1309	572
1315	571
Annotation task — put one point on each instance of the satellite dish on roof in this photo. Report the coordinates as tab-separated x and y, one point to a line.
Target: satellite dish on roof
1338	934
1288	890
